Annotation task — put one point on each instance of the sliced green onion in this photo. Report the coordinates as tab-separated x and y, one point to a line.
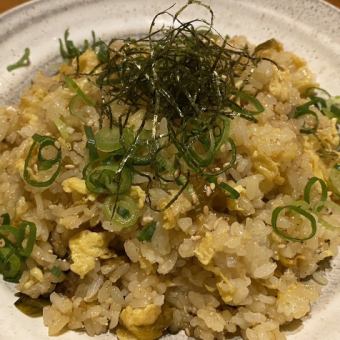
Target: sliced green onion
72	85
241	112
10	265
31	307
127	138
74	106
299	210
147	232
18	245
145	148
312	92
62	128
304	110
223	138
333	107
24	61
67	48
330	216
25	231
6	219
202	146
199	159
234	194
226	166
101	177
101	49
43	163
259	108
56	271
108	140
29	236
123	212
308	188
91	143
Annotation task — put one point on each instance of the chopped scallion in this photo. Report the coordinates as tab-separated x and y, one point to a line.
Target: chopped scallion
40	143
298	210
307	192
147	232
123	212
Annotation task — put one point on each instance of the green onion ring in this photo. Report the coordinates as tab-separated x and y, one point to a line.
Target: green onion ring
91	143
72	85
101	177
42	162
299	210
122	212
252	100
107	139
308	188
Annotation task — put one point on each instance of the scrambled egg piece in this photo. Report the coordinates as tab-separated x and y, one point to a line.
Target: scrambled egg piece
205	250
146	323
140	316
295	302
74	184
123	334
85	247
143	323
267	167
31	98
138	194
225	288
317	165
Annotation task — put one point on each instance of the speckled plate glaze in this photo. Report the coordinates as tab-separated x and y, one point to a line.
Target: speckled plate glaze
311	28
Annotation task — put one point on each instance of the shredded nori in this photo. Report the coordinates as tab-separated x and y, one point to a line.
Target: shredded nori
186	73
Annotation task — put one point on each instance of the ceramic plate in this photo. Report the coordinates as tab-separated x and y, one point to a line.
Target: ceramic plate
311	28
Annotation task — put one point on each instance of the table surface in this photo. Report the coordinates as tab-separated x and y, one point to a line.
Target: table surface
7	4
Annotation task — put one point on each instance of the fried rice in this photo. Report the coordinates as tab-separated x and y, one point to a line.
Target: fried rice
208	273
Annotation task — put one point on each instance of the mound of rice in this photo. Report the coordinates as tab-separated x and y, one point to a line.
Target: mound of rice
208	273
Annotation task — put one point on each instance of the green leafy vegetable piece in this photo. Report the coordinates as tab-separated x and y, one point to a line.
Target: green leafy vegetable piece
102	176
307	192
40	143
56	271
24	61
17	245
123	212
72	85
298	210
91	143
31	307
147	232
